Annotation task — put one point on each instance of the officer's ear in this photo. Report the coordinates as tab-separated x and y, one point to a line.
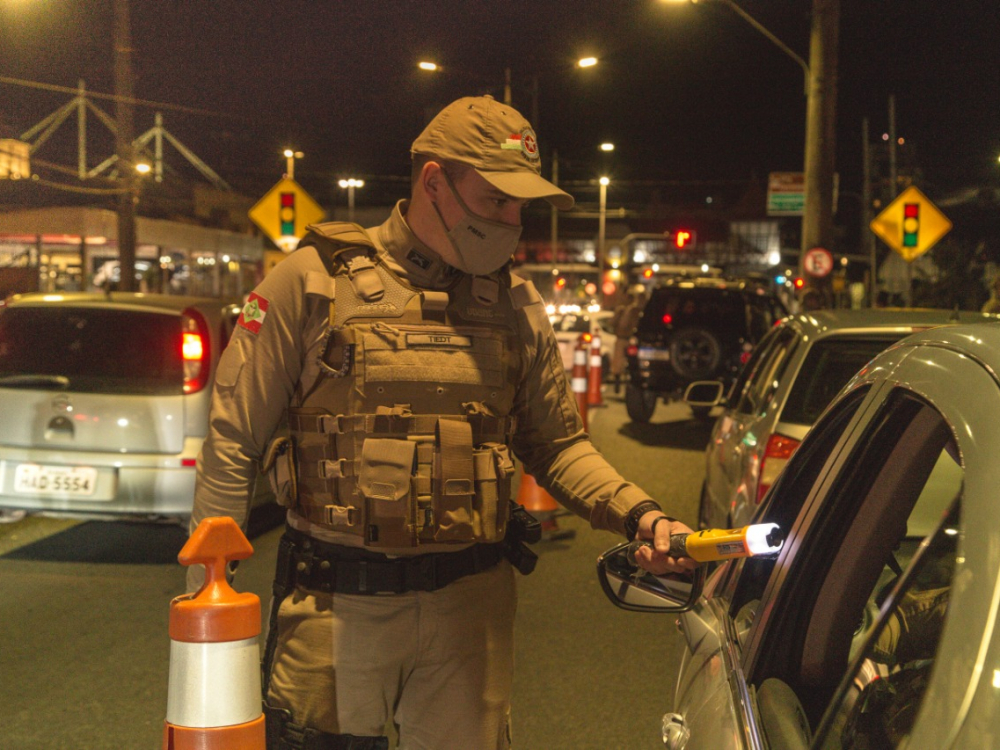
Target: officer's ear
432	180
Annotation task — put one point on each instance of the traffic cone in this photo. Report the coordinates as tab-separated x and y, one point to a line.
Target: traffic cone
578	379
595	374
542	506
214	695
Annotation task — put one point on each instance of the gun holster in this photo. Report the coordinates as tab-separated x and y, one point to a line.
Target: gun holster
522	529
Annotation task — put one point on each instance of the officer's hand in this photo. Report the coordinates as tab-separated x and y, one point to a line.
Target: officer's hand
655	558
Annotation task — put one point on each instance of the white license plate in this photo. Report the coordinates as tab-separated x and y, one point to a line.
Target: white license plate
34	479
657	354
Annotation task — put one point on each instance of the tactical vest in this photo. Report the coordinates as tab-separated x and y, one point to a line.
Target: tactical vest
402	437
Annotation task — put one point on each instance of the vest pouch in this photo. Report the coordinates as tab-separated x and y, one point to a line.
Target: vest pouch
279	467
493	469
454	482
385	483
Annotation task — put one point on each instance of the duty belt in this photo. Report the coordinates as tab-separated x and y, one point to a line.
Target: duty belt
334	568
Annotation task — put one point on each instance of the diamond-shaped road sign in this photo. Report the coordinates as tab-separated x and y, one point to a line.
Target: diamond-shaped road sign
284	212
911	224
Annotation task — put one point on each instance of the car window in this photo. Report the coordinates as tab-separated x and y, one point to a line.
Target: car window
830	363
761	351
767	374
751	575
853	545
880	697
690	307
99	350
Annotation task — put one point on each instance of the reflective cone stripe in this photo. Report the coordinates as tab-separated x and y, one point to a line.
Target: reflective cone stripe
594	374
214	694
578	381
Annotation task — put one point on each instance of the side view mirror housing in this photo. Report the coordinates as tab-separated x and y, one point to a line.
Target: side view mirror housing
631	587
704	394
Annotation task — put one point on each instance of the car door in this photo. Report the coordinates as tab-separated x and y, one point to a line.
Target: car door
837	643
713	696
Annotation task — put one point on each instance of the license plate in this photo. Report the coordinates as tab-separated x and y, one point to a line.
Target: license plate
657	354
34	479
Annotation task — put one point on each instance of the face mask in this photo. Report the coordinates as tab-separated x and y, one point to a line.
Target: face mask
482	246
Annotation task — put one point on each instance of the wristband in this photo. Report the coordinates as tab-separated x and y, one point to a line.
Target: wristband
632	519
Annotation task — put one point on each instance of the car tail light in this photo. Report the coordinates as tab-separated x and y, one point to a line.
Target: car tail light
668	319
194	350
779	449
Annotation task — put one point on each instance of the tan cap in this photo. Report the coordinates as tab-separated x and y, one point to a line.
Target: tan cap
497	142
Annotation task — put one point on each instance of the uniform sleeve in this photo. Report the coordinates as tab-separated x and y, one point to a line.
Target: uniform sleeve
551	442
256	377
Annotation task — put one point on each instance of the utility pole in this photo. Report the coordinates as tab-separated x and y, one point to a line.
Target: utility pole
820	152
126	160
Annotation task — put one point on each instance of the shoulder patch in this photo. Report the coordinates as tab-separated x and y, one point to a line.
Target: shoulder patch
253	313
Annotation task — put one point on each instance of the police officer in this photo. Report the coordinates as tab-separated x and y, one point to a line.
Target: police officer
384	379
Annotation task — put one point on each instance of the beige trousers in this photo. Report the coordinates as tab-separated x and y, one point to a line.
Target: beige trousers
439	663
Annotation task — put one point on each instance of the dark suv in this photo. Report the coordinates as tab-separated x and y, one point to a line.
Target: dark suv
694	329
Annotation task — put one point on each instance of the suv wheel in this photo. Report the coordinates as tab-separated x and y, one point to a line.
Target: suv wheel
640	404
695	353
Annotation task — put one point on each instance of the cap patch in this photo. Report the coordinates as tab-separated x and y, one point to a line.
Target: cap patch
513	143
254	312
525	142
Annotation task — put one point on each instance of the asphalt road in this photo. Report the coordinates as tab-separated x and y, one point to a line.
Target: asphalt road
84	652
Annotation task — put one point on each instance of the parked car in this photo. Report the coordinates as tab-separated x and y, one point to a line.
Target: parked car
104	401
569	326
694	329
791	378
874	626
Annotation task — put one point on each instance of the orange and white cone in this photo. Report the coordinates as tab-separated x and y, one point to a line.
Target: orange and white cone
214	695
595	374
542	506
578	378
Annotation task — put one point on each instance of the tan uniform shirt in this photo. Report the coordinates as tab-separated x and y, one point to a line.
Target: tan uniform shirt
262	373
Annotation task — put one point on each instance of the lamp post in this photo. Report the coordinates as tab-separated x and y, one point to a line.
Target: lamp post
821	92
124	148
602	215
290	157
350	184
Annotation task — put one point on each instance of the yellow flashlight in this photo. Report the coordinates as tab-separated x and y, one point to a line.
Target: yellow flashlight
724	544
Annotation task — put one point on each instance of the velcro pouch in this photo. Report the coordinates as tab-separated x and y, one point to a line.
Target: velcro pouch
454	482
385	483
494	469
279	466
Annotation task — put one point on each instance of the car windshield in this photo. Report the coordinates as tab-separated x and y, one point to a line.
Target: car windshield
703	307
91	350
830	363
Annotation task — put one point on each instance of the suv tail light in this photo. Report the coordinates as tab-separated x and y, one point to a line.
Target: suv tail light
194	350
779	449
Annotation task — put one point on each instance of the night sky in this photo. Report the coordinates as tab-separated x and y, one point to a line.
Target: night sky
686	92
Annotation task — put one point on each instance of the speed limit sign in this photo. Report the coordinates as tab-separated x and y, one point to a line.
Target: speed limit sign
818	262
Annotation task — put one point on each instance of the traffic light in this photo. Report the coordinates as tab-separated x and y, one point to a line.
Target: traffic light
287	214
911	224
799	282
560	284
648	273
684	239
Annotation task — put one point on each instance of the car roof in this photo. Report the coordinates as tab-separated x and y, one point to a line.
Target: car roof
163	302
839	322
707	282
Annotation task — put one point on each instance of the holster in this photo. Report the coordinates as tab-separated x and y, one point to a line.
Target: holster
522	529
284	734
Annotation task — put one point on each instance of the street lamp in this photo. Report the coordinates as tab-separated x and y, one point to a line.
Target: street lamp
350	184
290	157
821	101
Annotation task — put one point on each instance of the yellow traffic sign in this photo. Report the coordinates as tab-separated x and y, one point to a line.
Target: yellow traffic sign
911	224
284	212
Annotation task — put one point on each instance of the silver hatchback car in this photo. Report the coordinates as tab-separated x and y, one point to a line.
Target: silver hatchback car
870	627
104	401
792	376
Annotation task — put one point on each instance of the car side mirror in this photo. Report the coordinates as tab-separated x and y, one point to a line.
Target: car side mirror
704	394
631	587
